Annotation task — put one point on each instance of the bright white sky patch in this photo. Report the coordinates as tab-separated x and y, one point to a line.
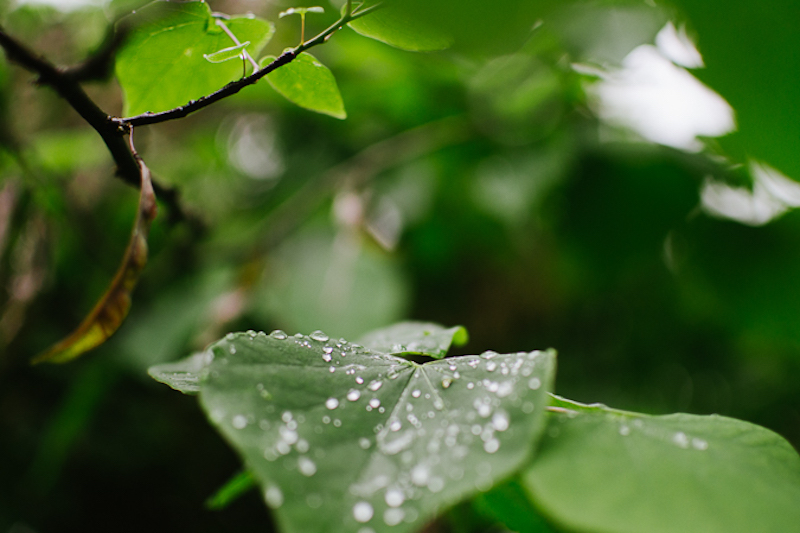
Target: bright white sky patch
773	194
661	101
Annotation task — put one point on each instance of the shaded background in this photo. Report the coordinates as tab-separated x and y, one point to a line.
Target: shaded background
556	179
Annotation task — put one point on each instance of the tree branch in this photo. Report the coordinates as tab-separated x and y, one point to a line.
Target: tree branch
236	86
65	83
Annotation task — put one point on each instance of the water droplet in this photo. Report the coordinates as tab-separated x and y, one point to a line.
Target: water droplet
375	385
534	383
286	416
395	425
394	498
331	403
681	439
699	444
319	336
420	475
364	443
415	393
446	382
359	380
491	445
239	421
302	446
374	403
230	336
491	366
337	423
392	517
306	466
327	349
298	335
489	354
273	496
314	501
436	484
500	421
326	419
470	385
287	435
353	395
624	430
332	369
362	512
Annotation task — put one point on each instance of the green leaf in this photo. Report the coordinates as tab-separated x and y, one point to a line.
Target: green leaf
301	11
231	490
599	469
226	54
342	439
396	27
162	65
309	84
184	375
422	338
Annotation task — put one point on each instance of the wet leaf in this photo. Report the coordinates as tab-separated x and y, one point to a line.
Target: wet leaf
162	64
423	338
343	439
113	307
396	27
599	469
308	83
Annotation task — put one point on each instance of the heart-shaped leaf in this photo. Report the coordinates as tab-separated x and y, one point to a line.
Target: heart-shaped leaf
344	439
599	469
162	65
308	83
421	338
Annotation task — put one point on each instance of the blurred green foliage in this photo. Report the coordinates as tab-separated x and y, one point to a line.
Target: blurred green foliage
473	186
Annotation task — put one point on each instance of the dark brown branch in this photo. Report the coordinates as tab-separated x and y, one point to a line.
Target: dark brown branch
236	86
69	89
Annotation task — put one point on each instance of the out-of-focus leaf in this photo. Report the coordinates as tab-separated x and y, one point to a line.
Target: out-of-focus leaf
599	469
309	84
369	440
423	338
235	487
162	65
509	504
393	25
113	307
226	54
334	284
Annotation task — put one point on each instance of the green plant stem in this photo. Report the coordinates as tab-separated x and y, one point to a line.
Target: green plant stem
236	86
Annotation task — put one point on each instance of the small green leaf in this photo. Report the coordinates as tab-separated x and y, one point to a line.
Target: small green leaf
309	84
421	338
231	490
162	65
301	11
396	27
226	54
599	469
341	438
183	375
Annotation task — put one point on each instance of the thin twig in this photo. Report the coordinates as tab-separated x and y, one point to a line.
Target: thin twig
236	86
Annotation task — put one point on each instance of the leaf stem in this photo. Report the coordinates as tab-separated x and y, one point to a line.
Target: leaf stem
230	34
234	87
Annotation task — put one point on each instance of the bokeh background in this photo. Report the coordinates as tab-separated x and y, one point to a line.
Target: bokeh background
613	179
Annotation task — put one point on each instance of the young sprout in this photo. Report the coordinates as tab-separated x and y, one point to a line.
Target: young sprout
302	12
